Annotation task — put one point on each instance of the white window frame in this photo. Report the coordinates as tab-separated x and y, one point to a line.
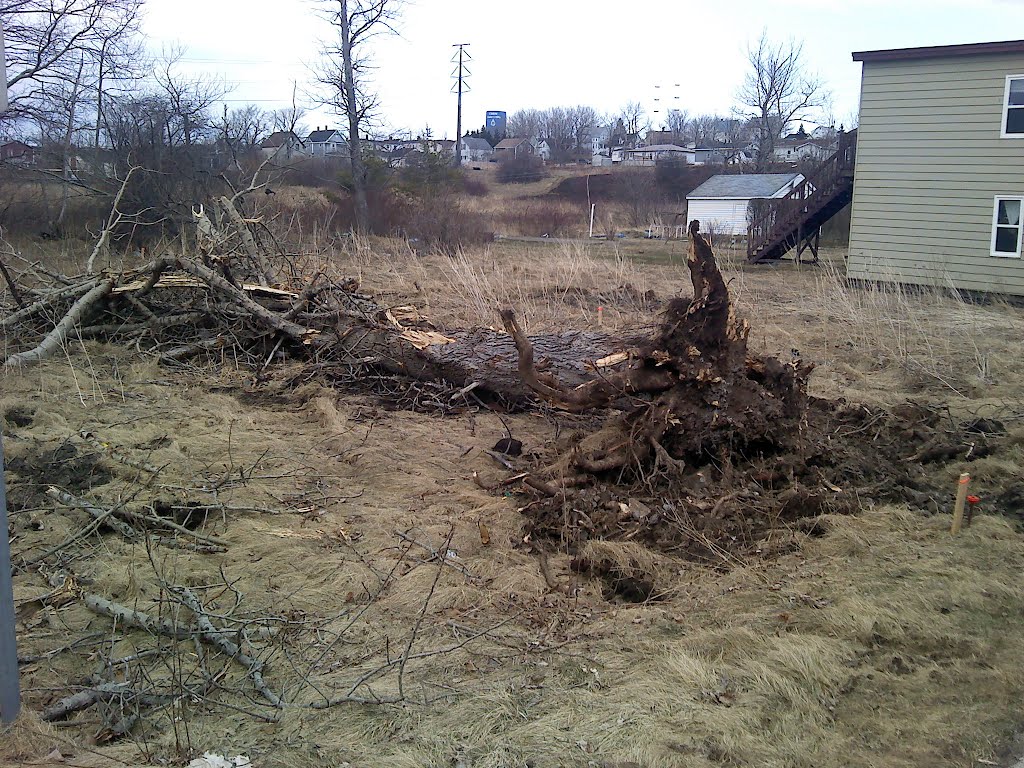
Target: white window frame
995	226
1006	109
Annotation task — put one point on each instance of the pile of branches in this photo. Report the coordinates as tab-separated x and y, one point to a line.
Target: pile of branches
228	295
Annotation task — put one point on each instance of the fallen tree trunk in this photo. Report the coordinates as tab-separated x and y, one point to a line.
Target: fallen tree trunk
55	338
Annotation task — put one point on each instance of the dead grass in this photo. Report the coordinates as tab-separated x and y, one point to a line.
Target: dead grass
883	642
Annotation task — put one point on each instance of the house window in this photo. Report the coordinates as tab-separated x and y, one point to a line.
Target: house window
1013	107
1006	227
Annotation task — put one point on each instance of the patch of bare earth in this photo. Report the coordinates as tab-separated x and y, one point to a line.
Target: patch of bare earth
363	553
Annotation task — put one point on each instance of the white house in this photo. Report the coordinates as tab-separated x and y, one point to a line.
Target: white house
542	149
721	202
473	150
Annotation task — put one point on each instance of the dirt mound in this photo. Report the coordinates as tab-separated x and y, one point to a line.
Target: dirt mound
845	457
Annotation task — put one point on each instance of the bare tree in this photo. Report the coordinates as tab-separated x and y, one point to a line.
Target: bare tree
525	124
239	131
583	121
705	128
678	123
288	119
343	75
51	42
777	91
634	122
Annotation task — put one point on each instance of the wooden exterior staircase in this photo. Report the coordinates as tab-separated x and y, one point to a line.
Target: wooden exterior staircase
794	221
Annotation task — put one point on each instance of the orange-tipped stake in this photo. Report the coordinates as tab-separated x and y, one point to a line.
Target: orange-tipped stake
600	316
971	501
961	500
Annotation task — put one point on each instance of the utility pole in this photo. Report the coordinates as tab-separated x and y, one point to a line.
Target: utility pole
460	75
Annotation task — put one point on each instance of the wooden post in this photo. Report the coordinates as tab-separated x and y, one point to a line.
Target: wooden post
961	500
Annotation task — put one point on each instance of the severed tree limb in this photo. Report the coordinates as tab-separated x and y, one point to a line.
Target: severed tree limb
177	354
104	515
81	700
152	324
107	518
271	319
104	692
129	617
117	455
15	293
115	218
211	635
155	269
266	272
32	309
55	338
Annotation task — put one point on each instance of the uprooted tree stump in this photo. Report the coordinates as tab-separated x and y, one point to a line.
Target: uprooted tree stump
702	449
690	393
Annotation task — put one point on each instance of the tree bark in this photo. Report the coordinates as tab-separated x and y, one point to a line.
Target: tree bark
81	309
362	208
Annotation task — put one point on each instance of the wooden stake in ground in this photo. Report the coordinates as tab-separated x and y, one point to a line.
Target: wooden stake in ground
961	500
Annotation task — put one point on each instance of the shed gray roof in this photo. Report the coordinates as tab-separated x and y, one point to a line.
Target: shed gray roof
471	142
743	185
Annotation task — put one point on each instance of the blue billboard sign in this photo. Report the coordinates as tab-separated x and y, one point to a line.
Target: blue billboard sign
496	122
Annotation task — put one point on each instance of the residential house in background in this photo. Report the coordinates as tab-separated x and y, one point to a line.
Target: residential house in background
283	147
324	142
401	157
718	153
800	146
437	146
656	153
721	203
18	153
938	189
542	149
515	147
473	150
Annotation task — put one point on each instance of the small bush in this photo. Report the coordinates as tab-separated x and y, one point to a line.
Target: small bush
475	187
441	223
521	170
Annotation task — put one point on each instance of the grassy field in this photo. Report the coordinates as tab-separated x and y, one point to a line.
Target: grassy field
878	641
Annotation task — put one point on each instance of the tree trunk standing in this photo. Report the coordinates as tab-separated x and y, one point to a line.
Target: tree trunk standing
69	135
362	208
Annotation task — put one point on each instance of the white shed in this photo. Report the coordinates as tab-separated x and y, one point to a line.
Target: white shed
720	203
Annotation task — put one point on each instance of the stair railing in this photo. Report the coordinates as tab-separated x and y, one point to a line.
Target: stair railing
779	218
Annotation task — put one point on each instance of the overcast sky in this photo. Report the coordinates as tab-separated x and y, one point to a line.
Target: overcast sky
541	53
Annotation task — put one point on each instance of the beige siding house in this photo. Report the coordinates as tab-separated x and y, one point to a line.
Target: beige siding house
939	180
